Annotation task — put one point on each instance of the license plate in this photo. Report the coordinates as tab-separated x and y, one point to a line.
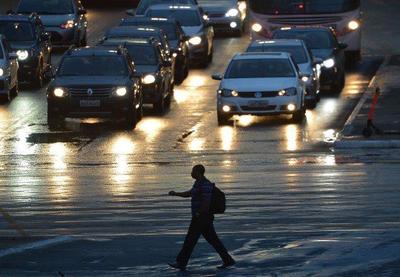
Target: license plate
258	104
89	103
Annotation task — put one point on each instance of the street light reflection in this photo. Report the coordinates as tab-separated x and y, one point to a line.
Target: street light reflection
22	147
196	81
151	127
181	95
58	151
121	177
329	135
291	137
329	106
226	134
123	145
197	144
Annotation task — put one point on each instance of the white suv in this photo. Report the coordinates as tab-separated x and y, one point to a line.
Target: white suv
260	83
8	71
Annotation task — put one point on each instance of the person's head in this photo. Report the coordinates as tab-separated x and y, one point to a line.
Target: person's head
198	171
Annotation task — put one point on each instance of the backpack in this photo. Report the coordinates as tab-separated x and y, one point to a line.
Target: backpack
218	201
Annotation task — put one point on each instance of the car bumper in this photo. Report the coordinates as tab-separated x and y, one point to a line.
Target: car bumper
62	37
198	53
259	106
226	24
73	107
329	76
27	70
151	94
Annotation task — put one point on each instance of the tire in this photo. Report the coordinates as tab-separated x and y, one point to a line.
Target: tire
159	107
299	116
222	119
131	119
311	104
54	120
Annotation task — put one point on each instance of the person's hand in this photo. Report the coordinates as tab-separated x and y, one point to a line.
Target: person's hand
172	193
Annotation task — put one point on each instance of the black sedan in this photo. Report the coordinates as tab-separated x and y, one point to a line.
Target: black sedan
156	71
176	38
95	82
323	44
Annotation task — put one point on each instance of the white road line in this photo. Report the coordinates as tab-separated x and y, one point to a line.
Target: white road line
35	245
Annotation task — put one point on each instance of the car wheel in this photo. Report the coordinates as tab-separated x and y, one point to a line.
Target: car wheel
223	119
299	116
84	41
54	120
311	104
131	119
159	107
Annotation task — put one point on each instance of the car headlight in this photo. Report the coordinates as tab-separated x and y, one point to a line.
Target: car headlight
288	92
232	13
149	79
22	54
60	92
256	27
1	72
228	93
353	25
121	91
195	40
242	6
305	79
329	63
67	25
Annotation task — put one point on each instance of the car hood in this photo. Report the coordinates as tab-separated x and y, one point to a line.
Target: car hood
258	84
192	30
305	68
22	45
56	20
322	53
143	69
2	62
87	81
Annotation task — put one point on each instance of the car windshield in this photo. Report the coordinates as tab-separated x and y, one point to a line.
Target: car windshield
145	4
218	3
184	17
17	31
46	6
297	51
169	29
277	7
260	68
142	54
93	66
314	39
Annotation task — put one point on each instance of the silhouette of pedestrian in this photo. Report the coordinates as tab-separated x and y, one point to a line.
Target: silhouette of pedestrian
202	221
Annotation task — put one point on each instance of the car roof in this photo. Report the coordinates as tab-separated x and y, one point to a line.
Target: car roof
173	7
286	42
123	41
142	19
94	51
16	17
261	55
133	30
305	28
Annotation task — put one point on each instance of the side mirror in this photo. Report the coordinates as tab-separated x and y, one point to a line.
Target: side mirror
82	11
342	45
130	12
13	56
217	77
45	36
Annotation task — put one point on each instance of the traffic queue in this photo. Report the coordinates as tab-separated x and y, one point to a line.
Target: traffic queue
139	62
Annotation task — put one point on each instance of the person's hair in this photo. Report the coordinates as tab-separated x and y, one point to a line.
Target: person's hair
199	168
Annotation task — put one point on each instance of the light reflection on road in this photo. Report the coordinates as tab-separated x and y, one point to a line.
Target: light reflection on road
123	145
291	137
227	133
151	127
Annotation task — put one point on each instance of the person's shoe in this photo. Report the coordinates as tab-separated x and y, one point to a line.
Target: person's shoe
177	266
227	264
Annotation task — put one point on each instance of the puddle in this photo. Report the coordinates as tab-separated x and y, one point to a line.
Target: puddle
72	137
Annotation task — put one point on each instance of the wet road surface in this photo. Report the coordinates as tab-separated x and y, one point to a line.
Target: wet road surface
291	199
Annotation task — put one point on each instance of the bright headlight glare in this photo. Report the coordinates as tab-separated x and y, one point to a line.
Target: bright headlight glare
149	79
304	79
22	54
195	40
226	108
242	6
329	63
353	25
121	91
291	107
68	25
234	93
232	13
1	72
59	92
256	27
228	93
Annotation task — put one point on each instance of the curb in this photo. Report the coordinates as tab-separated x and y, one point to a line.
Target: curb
367	144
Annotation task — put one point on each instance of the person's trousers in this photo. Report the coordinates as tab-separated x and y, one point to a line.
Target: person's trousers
202	225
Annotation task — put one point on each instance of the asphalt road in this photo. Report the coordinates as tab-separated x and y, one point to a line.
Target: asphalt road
293	202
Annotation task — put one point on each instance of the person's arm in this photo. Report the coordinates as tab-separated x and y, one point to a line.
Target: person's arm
184	194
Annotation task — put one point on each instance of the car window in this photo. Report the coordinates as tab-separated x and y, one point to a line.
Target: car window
17	31
314	39
142	54
93	66
297	52
184	17
46	6
1	52
260	68
169	29
145	4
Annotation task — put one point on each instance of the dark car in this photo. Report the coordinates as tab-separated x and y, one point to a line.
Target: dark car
8	71
27	37
176	38
65	20
194	25
95	82
156	70
324	45
145	4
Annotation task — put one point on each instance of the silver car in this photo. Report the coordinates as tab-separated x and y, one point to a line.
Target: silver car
8	71
308	65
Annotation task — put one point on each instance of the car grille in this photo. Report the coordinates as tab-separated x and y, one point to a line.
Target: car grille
216	15
2	84
97	92
258	109
292	21
55	37
252	94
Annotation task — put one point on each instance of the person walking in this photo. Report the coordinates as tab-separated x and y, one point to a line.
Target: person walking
202	222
